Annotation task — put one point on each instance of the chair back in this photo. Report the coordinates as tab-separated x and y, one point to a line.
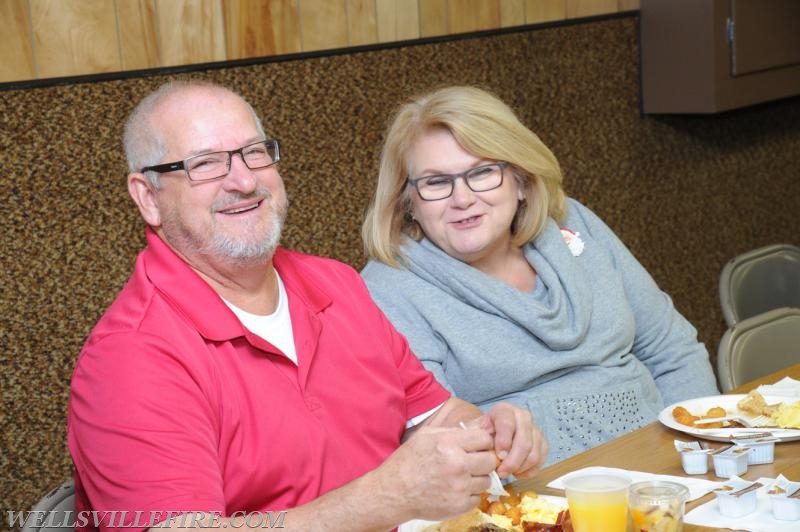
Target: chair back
56	504
758	346
759	280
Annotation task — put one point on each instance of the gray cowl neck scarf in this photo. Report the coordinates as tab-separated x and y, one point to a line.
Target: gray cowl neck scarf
559	309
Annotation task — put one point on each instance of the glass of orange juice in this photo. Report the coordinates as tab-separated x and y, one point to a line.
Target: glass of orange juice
598	502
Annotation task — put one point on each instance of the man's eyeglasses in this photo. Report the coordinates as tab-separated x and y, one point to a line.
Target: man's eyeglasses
208	166
478	179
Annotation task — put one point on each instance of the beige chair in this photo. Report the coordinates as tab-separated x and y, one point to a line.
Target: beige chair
59	506
758	346
760	280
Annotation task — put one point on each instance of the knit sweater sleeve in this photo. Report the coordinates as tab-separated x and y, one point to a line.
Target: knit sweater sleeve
664	340
389	288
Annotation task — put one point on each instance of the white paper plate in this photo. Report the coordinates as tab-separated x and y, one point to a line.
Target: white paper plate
700	405
417	525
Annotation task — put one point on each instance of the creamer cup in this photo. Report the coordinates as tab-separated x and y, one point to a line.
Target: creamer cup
693	459
784	497
694	462
737	497
763	448
731	462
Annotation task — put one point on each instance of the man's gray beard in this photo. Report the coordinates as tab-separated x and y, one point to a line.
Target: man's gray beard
224	246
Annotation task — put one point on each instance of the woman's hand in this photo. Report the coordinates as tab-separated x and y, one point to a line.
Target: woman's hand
518	442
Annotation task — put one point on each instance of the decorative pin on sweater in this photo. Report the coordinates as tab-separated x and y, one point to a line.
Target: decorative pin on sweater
573	241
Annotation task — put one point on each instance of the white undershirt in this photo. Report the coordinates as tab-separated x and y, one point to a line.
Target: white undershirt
275	328
416	420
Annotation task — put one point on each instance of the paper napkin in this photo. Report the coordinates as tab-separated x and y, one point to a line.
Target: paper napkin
697	486
759	521
786	387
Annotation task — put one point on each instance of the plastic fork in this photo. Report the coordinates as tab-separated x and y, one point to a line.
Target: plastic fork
758	421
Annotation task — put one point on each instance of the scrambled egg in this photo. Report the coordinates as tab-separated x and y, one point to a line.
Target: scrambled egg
534	510
501	521
538	510
787	415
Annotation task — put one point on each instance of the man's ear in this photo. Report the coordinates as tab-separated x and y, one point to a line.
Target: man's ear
143	194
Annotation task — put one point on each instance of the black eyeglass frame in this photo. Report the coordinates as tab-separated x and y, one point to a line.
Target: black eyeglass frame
181	165
461	175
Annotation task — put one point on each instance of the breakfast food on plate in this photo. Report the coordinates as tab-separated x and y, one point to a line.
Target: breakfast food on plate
460	523
754	403
783	415
523	512
684	417
787	415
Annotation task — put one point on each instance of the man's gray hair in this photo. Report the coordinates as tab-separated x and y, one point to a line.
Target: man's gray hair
144	143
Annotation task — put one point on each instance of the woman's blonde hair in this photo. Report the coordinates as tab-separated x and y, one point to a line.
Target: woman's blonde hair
487	128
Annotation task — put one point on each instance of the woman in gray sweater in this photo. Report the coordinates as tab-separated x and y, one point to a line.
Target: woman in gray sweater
509	291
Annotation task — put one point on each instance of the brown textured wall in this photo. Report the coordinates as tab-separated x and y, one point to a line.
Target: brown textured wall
685	193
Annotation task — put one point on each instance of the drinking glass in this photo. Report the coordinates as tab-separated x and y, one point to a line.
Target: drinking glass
657	506
598	502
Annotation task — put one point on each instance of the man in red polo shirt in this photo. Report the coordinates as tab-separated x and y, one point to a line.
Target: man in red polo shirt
232	377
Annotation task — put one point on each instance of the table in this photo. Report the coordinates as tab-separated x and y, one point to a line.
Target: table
651	449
